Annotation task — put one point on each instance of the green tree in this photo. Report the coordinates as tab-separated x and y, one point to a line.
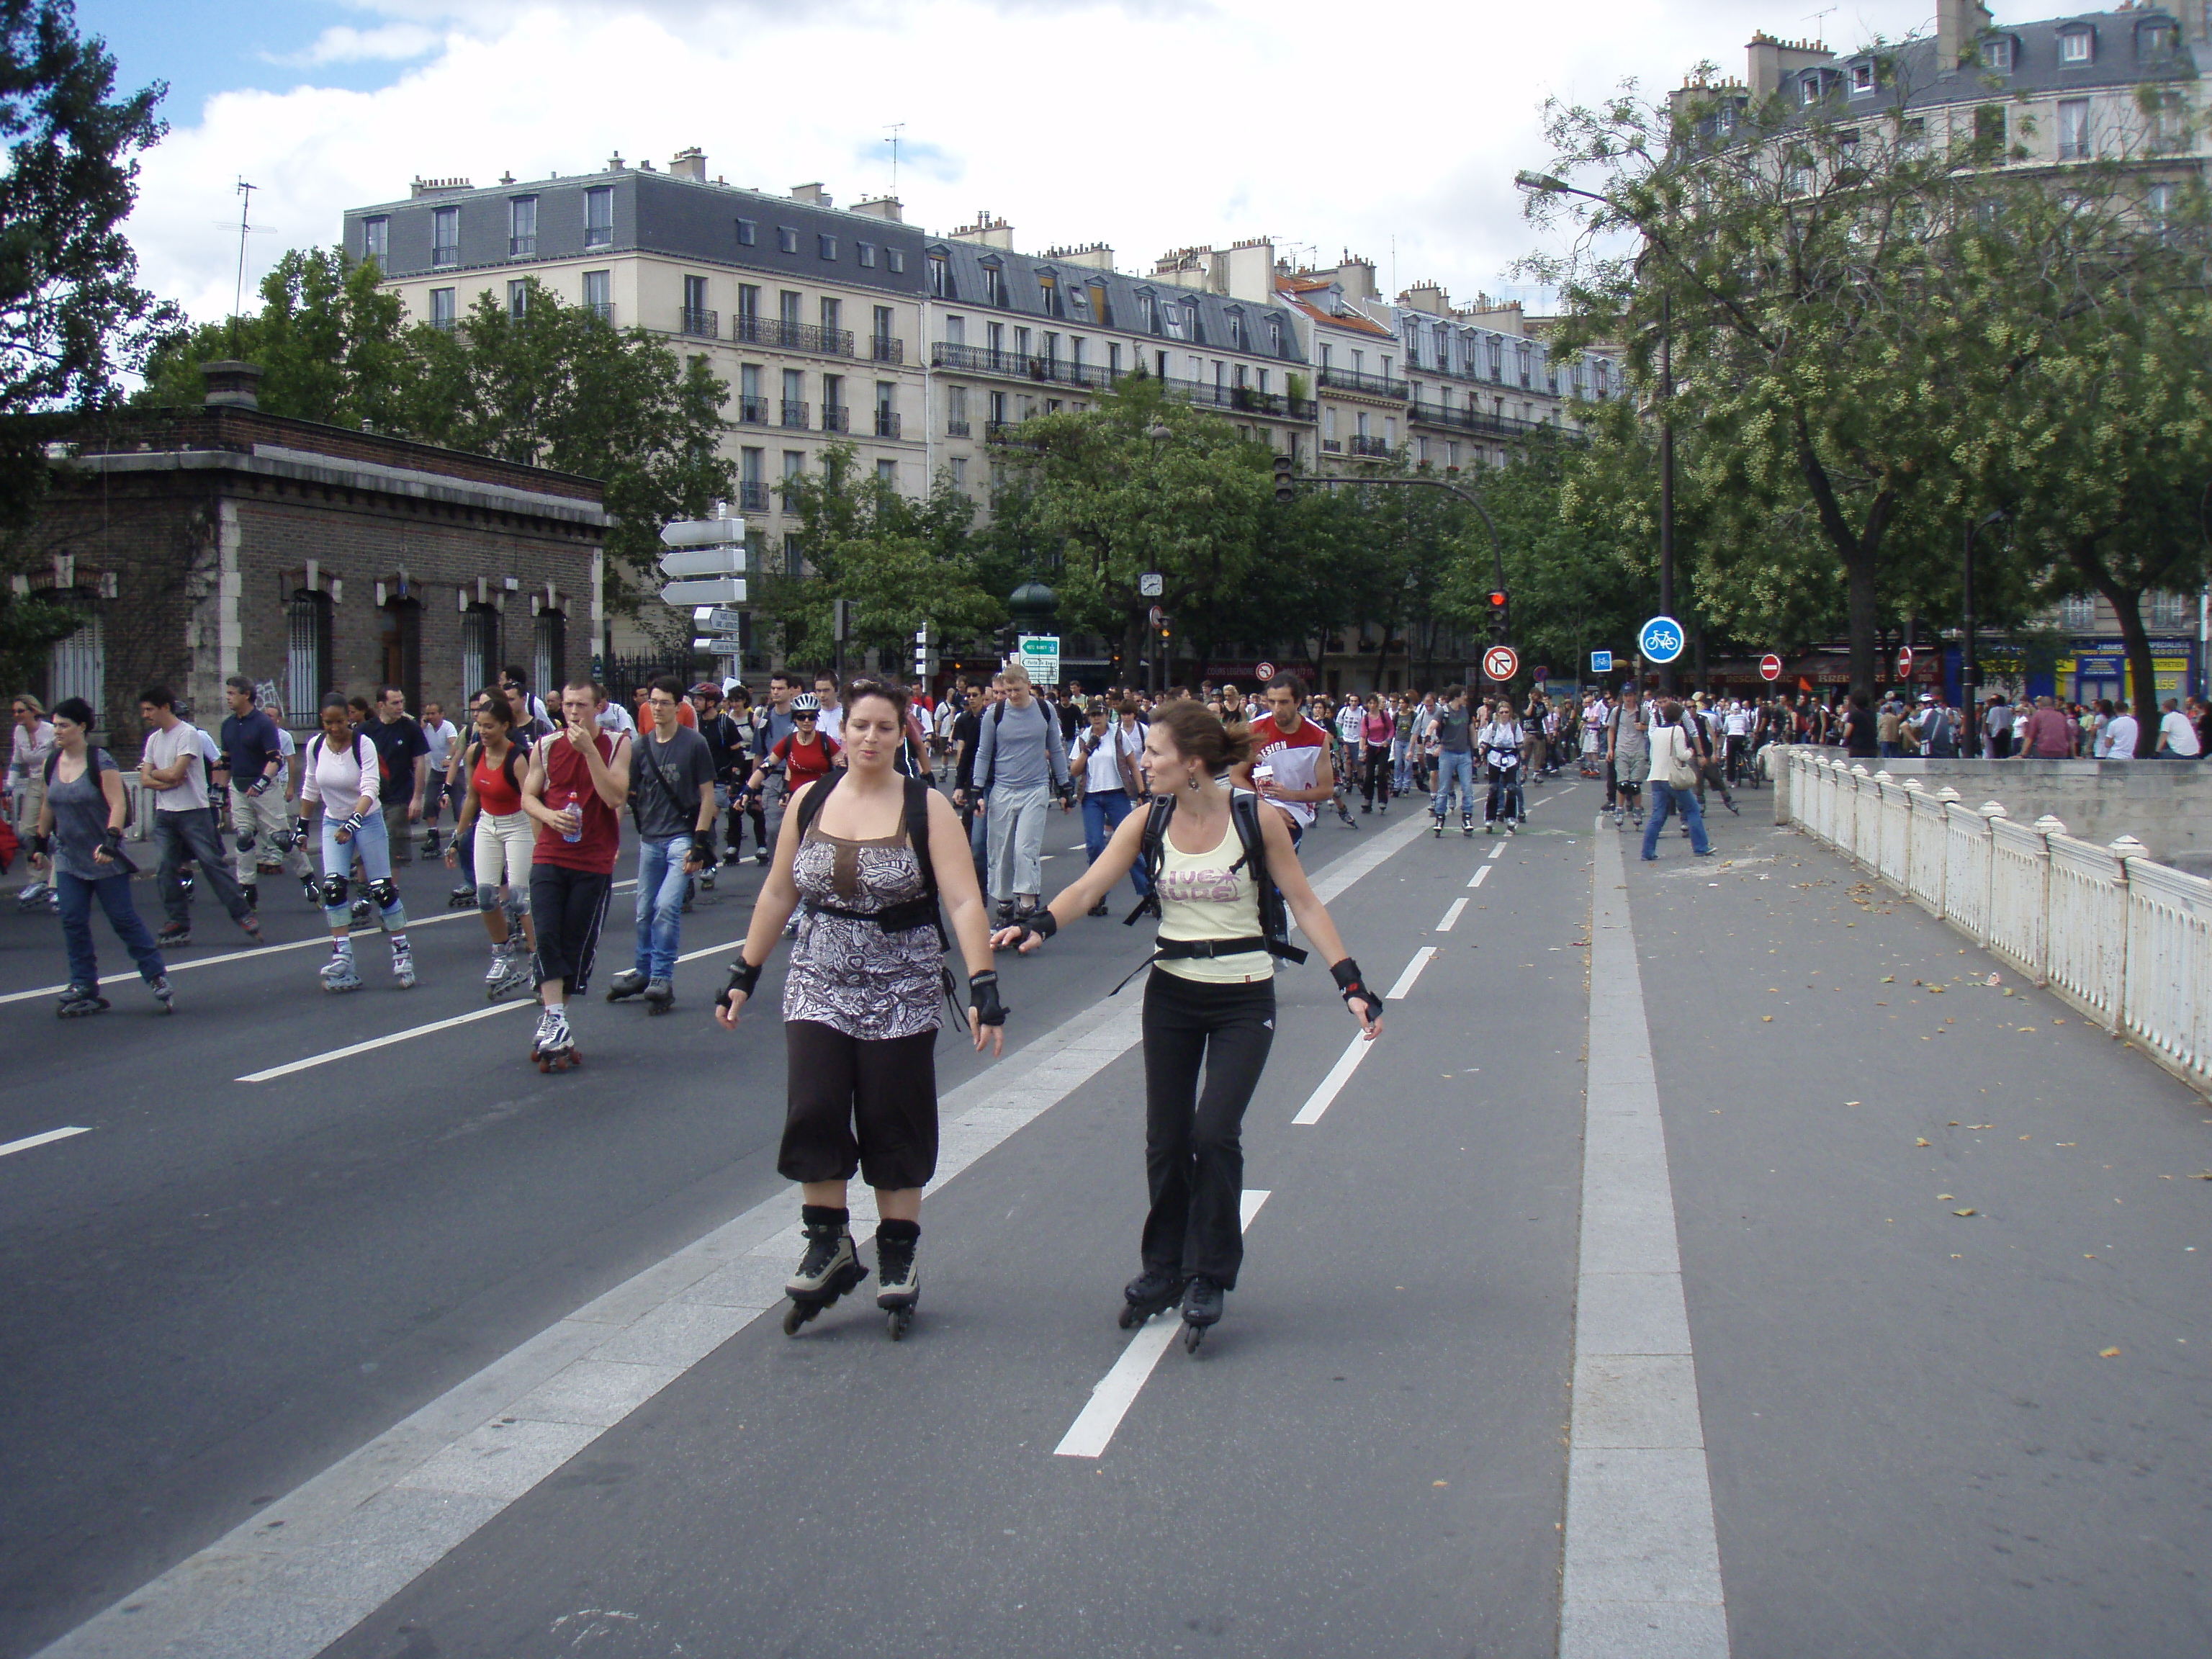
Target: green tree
900	563
72	317
329	339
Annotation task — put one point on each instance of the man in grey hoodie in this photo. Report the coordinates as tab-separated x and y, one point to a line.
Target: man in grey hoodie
1019	766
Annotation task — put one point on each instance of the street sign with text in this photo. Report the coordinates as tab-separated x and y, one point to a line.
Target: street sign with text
719	617
704	562
1041	656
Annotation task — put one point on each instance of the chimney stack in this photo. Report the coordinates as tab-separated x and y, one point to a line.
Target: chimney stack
232	385
688	164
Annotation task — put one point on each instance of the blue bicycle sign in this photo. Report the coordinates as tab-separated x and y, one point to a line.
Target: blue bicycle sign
1660	640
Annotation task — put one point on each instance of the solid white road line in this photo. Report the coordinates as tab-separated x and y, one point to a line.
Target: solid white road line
253	950
1451	915
1094	1425
1348	1062
1481	874
29	1141
351	1049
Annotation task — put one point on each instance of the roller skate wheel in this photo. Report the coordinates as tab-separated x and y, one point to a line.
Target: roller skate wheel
794	1317
896	1321
1132	1315
1192	1336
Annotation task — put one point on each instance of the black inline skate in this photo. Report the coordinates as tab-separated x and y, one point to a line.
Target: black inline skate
1154	1290
1201	1311
828	1270
899	1274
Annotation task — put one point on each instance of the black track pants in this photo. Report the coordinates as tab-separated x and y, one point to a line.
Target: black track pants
1194	1144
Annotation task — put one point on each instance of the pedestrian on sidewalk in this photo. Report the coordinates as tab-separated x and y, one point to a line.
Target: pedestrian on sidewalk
1020	767
405	754
1859	729
2121	735
2048	735
1210	1000
259	818
1108	760
671	799
492	841
879	864
343	777
173	768
578	778
1628	755
1997	726
77	838
2177	735
1675	765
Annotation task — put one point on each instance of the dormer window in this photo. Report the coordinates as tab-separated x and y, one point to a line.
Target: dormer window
1148	314
1997	54
1862	79
994	285
2078	46
1808	89
940	276
1725	120
1275	336
2156	37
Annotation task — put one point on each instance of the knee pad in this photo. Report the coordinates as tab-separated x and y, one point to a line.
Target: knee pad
518	906
487	896
335	888
246	841
385	892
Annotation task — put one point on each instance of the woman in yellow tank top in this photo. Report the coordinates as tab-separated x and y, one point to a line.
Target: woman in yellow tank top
1209	1004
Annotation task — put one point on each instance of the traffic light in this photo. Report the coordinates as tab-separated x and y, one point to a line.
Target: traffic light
1007	639
1501	618
1286	488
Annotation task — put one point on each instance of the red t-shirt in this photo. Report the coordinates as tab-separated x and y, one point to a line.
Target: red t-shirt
568	780
806	764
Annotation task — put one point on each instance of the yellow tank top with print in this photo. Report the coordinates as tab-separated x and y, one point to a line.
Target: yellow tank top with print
1201	898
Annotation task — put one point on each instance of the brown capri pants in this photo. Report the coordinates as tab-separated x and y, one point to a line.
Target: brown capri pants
886	1091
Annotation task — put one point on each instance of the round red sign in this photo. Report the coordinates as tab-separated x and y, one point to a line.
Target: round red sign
1265	670
1905	662
1501	662
1770	668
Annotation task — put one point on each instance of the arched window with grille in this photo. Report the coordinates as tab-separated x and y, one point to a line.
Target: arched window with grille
78	667
307	654
479	648
548	667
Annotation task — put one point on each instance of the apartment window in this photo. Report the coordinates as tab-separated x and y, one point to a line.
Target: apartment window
794	464
960	474
1996	54
940	277
1113	359
2158	202
479	648
518	299
2156	39
1451	456
748	232
894	259
865	252
995	337
787	301
599	215
1725	120
441	310
956	411
956	330
698	319
1913	136
1497	358
1808	89
2077	615
1527	357
1275	335
887	474
1328	423
833	318
548	632
307	649
793	412
1604	378
521	227
2078	46
2073	129
1551	377
1861	78
787	238
994	286
2168	120
2169	611
1048	297
598	294
1148	314
376	238
1177	319
1362	419
887	421
444	236
825	247
995	409
752	470
1021	343
794	556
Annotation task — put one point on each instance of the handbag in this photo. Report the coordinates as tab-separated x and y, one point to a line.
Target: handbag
1682	774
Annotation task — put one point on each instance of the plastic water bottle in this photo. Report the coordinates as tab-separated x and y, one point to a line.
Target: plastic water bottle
577	834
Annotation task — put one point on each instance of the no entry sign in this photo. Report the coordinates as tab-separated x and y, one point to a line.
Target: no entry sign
1501	663
1905	662
1770	668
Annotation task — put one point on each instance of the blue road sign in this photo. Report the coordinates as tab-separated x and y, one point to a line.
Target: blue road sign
1660	640
1600	662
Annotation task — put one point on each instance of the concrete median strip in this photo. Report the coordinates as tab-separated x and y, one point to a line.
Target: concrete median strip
1643	1562
308	1567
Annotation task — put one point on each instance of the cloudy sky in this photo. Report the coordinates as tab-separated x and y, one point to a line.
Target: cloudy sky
1146	124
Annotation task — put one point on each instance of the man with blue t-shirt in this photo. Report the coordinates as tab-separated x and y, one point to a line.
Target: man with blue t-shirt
260	817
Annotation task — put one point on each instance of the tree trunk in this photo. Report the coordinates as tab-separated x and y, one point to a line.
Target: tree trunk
2127	606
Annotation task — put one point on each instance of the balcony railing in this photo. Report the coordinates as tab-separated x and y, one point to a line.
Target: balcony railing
836	419
1371	447
886	348
792	337
794	415
752	411
442	257
602	309
752	496
1470	420
1018	365
1351	380
887	423
522	247
955	425
707	324
998	432
1332	446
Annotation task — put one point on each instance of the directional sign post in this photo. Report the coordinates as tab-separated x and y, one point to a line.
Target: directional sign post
708	590
707	556
1040	654
1500	663
1770	668
1661	640
1600	662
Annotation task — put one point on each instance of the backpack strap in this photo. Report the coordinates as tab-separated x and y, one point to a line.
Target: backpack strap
1274	920
1152	857
917	837
811	808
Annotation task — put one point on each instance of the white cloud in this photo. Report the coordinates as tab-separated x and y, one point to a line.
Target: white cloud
395	42
1146	127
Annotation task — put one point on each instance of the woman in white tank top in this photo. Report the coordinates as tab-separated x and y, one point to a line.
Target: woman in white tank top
1209	1002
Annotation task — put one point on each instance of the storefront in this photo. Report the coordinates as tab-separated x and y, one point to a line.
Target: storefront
2097	667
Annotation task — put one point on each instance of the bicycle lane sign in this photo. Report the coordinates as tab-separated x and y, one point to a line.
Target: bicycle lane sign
1660	640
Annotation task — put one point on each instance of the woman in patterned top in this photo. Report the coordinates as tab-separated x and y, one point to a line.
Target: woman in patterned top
861	1000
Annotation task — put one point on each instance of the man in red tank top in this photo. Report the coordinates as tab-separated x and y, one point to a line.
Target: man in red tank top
578	778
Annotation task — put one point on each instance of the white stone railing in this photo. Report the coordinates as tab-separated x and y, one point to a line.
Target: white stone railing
2125	940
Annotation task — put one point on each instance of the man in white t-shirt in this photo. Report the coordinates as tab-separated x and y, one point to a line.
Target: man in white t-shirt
173	768
2177	737
830	722
2121	734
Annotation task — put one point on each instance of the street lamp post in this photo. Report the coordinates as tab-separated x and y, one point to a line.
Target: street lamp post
1970	657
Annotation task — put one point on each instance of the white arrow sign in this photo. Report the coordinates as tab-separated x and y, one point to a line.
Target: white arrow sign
702	532
705	562
710	590
719	618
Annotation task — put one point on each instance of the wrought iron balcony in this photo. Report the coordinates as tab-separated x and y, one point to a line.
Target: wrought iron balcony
1351	380
1020	366
522	247
794	415
752	411
791	337
752	496
998	432
602	309
1332	446
707	324
886	348
955	425
836	419
1375	447
444	256
887	423
1471	420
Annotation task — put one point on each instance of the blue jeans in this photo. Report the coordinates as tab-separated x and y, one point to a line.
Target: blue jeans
1668	798
1102	815
661	886
372	846
76	894
1454	766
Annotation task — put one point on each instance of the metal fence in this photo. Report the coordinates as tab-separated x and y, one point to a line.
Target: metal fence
2125	940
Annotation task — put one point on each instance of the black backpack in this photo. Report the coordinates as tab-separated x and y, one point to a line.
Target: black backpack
91	770
923	912
1274	916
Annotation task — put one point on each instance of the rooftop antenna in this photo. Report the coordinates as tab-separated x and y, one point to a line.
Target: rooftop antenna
896	128
1820	21
238	300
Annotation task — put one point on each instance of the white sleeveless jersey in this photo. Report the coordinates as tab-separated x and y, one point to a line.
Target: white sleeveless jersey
1294	757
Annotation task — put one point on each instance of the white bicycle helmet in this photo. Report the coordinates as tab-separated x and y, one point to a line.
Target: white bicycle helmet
806	704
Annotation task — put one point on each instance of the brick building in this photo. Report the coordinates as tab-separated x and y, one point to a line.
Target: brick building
204	542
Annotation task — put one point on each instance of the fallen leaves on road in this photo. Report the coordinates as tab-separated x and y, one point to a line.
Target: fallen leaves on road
1942	1197
1766	1019
1923	1141
1969	1209
2108	1354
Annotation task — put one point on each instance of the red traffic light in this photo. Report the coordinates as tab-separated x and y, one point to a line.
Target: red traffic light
1496	601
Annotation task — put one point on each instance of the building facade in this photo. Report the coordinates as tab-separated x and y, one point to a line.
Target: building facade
206	542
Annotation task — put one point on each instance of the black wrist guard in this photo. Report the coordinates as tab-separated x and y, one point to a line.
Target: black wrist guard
113	840
702	846
1041	921
744	976
1349	984
983	998
43	845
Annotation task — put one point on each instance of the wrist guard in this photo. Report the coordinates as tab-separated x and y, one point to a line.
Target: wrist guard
983	997
702	847
1039	921
260	785
350	824
113	840
744	976
43	845
1350	984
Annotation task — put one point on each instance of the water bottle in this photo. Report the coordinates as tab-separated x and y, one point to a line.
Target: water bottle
577	834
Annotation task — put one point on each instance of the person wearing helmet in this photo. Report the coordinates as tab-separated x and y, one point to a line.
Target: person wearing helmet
804	758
